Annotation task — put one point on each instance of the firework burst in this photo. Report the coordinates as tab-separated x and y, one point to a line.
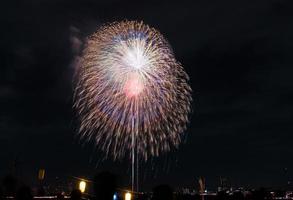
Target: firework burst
128	83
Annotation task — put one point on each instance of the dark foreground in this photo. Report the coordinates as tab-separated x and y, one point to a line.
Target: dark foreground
104	187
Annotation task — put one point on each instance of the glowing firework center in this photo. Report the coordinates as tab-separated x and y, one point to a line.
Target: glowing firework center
133	86
133	63
136	60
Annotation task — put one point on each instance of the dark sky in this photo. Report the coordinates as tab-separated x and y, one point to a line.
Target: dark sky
238	55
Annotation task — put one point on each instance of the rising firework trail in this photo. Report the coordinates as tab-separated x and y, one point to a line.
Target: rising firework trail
130	92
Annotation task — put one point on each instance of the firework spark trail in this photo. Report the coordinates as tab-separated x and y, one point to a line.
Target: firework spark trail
128	82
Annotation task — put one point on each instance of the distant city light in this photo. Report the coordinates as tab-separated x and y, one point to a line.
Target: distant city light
127	196
82	186
115	197
41	174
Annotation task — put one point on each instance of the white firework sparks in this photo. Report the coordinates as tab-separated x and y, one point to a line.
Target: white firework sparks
128	82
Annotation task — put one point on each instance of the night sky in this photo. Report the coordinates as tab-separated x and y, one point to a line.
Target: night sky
238	55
